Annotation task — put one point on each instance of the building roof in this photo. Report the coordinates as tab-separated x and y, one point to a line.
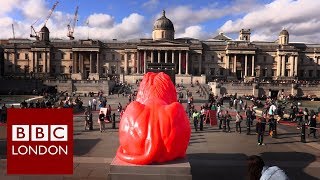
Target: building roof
284	32
222	37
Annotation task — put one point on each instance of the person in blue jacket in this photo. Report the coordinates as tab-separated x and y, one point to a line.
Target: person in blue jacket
257	170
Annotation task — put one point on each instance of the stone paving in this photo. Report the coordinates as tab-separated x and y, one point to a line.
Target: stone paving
213	154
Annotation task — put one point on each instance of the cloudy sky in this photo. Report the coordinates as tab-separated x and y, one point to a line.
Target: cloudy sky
132	19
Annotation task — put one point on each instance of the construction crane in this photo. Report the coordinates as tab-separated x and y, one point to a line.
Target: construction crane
14	36
34	33
71	27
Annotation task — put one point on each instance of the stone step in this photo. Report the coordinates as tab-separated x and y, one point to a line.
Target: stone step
174	170
122	176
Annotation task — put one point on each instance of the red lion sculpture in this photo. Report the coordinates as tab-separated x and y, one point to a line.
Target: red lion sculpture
155	127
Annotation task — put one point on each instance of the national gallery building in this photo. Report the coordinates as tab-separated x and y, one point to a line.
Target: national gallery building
187	59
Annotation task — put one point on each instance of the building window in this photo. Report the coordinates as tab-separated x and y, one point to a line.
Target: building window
162	34
287	72
310	73
287	59
18	68
122	70
62	55
18	55
71	55
113	57
273	73
39	55
222	59
122	56
40	68
213	71
26	56
62	69
221	71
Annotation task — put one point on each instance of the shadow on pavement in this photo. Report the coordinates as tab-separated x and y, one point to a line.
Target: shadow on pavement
207	166
83	146
3	149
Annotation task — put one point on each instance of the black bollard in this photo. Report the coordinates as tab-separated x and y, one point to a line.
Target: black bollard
274	133
303	133
248	126
113	120
90	122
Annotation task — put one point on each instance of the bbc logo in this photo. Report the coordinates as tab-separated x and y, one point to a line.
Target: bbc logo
39	133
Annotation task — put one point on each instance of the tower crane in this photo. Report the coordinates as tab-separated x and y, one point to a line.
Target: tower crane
71	27
34	33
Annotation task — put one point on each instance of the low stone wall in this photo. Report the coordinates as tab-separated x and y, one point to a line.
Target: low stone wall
82	87
264	89
20	86
185	79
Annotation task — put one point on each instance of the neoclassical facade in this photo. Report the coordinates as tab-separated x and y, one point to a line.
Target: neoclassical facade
191	59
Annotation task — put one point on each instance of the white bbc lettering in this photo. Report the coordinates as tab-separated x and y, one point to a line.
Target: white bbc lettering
39	133
59	133
20	132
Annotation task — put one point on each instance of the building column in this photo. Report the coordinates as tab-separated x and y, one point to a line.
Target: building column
283	65
291	66
172	57
252	68
74	61
200	64
159	56
45	62
138	62
90	62
246	65
179	62
33	61
126	63
279	66
295	65
235	64
98	63
81	64
166	57
227	65
145	62
152	56
37	62
187	62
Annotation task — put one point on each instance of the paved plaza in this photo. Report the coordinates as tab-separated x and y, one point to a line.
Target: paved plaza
212	154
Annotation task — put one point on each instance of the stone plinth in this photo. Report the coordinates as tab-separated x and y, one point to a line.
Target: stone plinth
173	170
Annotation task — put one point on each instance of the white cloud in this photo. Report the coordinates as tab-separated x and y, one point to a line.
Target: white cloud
7	6
102	26
100	20
194	32
150	4
298	16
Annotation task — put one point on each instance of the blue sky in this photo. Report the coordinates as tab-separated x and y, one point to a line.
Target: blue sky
203	19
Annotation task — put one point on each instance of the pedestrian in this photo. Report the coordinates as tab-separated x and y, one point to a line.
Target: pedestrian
119	107
260	131
228	118
195	116
238	122
220	117
94	104
299	118
202	115
258	171
313	123
248	121
86	118
90	104
101	121
306	115
272	126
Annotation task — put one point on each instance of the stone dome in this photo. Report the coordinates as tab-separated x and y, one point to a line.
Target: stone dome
163	23
44	29
284	32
